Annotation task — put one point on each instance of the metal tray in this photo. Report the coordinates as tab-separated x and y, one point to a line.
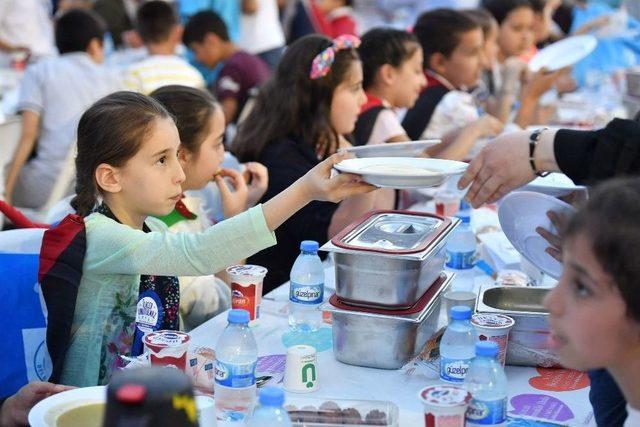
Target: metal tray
528	339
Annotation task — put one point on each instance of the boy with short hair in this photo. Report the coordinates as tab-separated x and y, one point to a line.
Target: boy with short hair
53	94
206	34
452	42
159	28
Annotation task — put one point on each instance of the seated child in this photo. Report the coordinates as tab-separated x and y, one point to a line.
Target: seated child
452	43
392	78
299	119
128	171
206	34
334	17
511	80
200	124
53	94
159	28
594	311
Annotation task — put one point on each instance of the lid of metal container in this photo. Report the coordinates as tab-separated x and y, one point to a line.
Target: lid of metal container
392	232
415	313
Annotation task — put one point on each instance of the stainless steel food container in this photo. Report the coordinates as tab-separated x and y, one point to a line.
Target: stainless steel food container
528	339
633	81
370	338
389	258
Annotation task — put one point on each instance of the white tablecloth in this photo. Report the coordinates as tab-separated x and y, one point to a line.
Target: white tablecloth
554	395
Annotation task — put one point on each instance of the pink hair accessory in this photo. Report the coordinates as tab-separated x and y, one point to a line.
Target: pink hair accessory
321	64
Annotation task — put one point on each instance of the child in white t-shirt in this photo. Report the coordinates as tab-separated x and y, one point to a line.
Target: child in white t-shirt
159	28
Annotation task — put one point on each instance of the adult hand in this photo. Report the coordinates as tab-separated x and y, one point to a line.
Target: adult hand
321	185
15	410
501	166
257	176
233	202
559	220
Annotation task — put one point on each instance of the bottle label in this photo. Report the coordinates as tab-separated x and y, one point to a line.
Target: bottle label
454	370
235	376
487	412
306	294
461	260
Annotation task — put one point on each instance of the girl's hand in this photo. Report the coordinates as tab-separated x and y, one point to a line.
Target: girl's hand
487	125
541	82
233	202
15	410
320	185
257	175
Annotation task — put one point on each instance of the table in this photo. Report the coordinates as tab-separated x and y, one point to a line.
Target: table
554	395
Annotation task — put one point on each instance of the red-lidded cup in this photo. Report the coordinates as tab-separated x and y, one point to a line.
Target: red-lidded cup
444	405
494	327
246	288
167	348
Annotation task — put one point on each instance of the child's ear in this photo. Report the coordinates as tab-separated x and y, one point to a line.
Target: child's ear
184	156
95	50
387	74
108	178
438	62
177	32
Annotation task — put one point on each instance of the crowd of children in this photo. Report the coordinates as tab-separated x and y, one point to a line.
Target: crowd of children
260	140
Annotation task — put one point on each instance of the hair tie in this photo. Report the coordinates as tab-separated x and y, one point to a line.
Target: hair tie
321	64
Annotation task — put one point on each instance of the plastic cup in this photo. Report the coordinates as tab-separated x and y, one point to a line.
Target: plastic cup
301	369
447	203
454	298
167	348
246	288
494	327
444	405
206	409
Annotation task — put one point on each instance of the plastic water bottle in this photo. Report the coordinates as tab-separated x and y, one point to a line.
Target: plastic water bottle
461	251
270	413
457	347
306	289
236	359
487	383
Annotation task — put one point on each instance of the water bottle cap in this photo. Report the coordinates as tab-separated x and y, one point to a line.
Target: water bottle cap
465	219
309	246
460	312
487	349
238	316
271	396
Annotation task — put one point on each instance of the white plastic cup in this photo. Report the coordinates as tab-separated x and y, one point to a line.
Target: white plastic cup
246	288
301	369
447	203
464	298
444	405
167	348
494	327
206	409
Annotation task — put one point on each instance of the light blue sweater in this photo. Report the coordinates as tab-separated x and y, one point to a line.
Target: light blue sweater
117	255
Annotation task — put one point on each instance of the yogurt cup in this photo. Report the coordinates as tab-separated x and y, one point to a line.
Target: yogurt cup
246	288
494	327
444	405
167	348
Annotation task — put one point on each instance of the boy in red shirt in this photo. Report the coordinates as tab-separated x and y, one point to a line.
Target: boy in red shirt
334	18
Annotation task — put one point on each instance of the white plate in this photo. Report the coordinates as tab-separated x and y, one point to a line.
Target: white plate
554	184
393	149
563	53
44	414
520	213
402	172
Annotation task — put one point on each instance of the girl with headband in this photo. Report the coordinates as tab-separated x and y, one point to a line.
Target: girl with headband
301	117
